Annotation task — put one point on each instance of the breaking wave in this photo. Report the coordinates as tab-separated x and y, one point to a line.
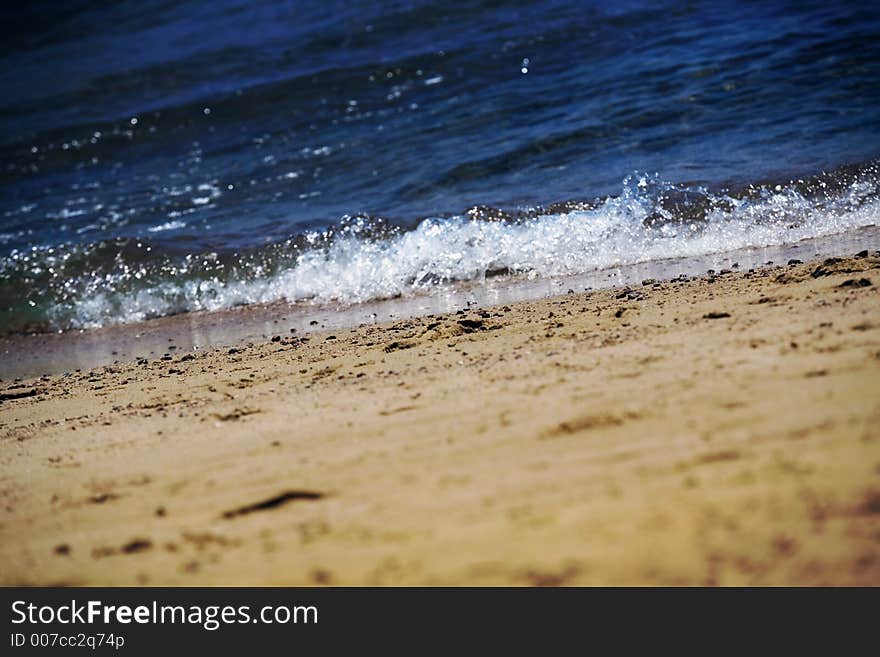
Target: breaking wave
366	258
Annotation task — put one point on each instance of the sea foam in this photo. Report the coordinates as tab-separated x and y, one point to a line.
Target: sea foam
352	264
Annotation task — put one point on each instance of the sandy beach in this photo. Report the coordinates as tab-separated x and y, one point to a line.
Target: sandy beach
723	430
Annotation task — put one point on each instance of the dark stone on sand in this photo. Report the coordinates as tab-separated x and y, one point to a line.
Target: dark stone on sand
62	550
823	269
795	261
871	503
856	282
716	315
397	345
103	497
862	254
276	338
619	312
137	545
649	281
471	324
6	396
321	576
233	351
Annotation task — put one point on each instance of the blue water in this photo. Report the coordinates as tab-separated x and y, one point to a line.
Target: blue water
163	157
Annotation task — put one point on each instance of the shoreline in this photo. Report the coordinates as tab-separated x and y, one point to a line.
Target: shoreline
717	430
28	355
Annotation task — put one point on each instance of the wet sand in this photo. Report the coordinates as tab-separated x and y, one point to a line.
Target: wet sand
721	430
49	353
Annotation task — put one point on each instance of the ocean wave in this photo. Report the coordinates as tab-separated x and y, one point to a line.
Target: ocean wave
364	258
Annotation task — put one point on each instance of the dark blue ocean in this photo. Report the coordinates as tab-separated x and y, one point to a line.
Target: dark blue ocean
163	157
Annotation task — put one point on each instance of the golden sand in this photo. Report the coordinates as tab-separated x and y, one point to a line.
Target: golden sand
723	431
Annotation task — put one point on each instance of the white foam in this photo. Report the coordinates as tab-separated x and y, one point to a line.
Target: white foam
353	268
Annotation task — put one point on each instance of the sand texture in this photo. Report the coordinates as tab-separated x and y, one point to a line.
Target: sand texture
722	431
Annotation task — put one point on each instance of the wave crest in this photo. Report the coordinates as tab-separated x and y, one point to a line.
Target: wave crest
364	258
